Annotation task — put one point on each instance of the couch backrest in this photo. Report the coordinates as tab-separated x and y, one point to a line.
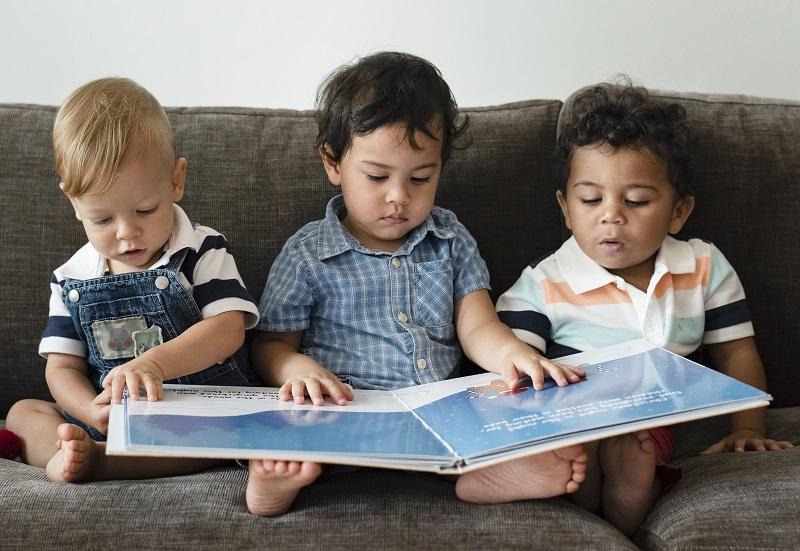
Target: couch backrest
254	176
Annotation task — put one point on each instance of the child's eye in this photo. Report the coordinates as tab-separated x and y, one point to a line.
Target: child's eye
590	201
147	211
420	179
633	203
374	178
101	221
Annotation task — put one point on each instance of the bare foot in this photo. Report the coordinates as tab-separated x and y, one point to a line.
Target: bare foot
76	456
629	468
545	474
273	485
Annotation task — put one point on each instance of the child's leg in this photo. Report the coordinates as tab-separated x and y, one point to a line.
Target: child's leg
69	454
545	474
35	422
273	485
629	483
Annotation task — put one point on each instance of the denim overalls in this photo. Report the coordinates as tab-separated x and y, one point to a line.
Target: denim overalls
121	316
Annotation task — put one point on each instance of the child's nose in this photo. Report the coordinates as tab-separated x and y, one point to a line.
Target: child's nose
613	214
398	194
127	230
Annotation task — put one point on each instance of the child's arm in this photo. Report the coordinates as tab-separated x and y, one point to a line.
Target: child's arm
740	359
490	343
277	361
204	344
66	377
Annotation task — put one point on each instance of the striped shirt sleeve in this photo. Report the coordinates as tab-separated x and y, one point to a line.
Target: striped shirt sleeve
60	335
523	308
216	284
727	316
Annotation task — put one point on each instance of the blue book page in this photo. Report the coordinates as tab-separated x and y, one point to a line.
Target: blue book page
277	426
650	384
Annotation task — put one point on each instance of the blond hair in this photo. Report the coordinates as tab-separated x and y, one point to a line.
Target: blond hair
102	126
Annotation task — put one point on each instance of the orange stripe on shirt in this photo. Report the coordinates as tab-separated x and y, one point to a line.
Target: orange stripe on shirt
561	292
686	282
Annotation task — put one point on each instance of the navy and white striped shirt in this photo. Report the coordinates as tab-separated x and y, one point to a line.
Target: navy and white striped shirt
377	320
209	273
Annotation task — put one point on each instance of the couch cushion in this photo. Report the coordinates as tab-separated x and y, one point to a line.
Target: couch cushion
362	509
747	169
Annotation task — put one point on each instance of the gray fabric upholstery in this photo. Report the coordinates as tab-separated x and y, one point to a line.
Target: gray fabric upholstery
254	176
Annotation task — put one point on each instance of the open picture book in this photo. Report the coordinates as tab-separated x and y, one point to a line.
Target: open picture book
451	426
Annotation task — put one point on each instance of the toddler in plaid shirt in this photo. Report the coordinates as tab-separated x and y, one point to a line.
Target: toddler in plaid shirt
387	289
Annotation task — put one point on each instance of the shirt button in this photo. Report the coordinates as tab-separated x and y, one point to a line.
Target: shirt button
74	295
162	282
421	363
402	317
396	262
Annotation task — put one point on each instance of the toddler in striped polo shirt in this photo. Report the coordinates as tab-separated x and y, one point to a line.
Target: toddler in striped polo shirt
624	174
151	296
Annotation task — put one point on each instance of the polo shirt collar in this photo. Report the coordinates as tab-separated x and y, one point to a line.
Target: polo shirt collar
334	238
584	274
183	237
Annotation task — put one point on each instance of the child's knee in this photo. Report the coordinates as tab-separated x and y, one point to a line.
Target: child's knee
20	414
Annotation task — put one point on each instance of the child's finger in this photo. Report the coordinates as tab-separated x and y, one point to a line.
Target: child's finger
314	392
285	392
299	392
117	386
132	381
348	392
555	372
536	373
152	389
333	387
573	372
510	377
109	378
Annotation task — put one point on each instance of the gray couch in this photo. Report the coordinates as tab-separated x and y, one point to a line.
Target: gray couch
254	176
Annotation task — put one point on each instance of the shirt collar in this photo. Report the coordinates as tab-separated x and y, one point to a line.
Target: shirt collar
183	237
584	274
334	238
88	263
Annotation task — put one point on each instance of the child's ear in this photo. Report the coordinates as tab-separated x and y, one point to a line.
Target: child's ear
683	208
71	202
562	202
178	179
332	167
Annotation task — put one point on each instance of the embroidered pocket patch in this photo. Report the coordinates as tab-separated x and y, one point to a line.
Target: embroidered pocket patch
145	339
114	338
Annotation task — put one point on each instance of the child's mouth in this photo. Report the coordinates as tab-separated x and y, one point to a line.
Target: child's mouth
395	219
611	245
133	253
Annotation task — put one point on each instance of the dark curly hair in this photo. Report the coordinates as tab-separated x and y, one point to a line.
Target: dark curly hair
623	115
382	89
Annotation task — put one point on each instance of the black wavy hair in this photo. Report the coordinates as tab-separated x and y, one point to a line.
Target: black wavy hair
382	89
626	116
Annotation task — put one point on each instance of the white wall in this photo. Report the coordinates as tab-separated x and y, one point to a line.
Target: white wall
275	53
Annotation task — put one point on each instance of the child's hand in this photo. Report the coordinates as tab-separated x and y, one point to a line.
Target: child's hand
747	440
99	410
316	381
523	360
137	373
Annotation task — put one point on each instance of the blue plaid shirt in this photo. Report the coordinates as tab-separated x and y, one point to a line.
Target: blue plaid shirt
377	320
